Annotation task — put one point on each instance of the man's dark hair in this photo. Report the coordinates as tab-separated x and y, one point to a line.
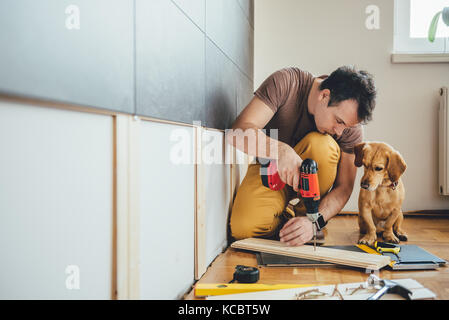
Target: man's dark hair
348	83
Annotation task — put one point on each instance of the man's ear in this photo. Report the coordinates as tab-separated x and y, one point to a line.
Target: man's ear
358	151
325	95
396	166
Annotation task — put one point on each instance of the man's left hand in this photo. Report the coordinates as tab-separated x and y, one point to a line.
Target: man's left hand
297	231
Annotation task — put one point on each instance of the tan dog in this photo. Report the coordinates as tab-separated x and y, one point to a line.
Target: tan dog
382	192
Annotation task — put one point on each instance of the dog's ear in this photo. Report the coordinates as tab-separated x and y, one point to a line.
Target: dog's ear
358	151
396	166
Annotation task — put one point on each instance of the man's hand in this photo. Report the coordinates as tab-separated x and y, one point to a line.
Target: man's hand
297	231
288	166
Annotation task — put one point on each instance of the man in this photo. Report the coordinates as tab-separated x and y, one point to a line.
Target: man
315	117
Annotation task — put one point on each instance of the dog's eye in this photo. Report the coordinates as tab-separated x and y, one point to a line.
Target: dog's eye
378	168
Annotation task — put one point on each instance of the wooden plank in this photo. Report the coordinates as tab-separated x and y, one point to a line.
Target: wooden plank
44	103
328	292
200	208
419	213
230	159
134	205
121	172
114	213
349	258
127	206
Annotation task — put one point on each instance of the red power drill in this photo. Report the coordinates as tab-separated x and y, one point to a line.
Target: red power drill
308	185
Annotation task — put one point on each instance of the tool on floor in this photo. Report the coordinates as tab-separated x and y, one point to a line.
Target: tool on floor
348	291
387	286
218	289
309	188
382	247
409	257
244	274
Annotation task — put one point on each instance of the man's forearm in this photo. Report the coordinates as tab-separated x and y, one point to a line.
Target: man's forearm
254	142
334	201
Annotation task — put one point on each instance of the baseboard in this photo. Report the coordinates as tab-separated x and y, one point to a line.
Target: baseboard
418	213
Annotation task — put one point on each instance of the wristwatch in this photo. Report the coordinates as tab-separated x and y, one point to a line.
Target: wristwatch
317	219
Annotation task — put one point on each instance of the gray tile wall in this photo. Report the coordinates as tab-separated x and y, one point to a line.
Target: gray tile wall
194	59
77	51
180	60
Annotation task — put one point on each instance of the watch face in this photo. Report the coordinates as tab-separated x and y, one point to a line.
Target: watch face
320	222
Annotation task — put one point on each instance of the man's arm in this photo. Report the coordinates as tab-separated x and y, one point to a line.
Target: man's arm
336	199
247	136
299	230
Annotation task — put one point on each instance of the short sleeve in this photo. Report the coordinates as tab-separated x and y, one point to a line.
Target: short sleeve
275	89
349	138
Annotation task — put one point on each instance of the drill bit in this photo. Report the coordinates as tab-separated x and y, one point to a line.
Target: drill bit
314	237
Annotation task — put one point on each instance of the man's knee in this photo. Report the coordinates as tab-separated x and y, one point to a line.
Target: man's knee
242	228
326	152
256	208
254	222
318	145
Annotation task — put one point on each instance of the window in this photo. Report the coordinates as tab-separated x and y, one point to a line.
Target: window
412	21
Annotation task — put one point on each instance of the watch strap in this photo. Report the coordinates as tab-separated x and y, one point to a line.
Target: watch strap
317	219
313	216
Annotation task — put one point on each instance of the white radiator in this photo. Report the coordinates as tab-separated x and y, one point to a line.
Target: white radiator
443	172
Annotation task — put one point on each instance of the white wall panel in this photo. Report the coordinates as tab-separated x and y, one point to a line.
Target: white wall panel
217	193
166	210
56	203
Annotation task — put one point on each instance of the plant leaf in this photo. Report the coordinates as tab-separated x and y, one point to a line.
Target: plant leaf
433	26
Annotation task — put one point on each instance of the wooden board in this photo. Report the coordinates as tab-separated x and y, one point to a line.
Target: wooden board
349	258
200	207
328	293
127	206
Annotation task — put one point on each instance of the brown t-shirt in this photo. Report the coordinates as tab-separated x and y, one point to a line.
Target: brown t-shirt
286	92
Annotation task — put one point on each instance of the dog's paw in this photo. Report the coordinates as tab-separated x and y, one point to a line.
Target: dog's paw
368	239
390	237
401	235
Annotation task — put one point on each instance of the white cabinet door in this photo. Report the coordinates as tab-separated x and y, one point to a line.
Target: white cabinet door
217	193
166	210
56	203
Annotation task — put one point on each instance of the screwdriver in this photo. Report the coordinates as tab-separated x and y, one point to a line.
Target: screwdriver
382	247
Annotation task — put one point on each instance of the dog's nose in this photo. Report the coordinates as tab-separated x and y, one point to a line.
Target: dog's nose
365	185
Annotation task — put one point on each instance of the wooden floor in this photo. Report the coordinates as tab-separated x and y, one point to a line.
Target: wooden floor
430	233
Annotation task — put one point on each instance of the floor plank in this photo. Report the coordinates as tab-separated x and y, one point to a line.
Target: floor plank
430	233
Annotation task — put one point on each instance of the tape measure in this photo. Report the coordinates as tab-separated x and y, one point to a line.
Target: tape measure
244	274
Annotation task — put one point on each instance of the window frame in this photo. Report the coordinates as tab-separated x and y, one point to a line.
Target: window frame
403	44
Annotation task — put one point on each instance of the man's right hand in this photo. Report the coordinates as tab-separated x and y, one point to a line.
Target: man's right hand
288	164
255	116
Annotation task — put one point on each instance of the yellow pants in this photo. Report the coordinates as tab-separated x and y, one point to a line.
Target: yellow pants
259	211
